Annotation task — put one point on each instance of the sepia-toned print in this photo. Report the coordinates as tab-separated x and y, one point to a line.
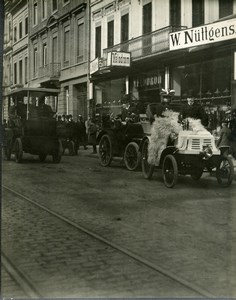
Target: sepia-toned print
118	149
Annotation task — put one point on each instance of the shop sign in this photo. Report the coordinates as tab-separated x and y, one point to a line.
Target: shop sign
206	34
119	59
94	66
234	65
149	81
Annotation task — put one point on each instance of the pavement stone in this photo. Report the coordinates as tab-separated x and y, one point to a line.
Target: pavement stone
84	267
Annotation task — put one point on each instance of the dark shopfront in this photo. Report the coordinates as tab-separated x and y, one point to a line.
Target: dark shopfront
207	75
136	90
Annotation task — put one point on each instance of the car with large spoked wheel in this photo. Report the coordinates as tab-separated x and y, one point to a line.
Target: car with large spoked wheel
120	139
190	151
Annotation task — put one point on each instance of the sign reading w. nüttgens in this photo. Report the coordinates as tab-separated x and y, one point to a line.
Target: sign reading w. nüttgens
210	33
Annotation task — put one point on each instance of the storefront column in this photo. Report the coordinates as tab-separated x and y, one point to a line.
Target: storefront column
167	78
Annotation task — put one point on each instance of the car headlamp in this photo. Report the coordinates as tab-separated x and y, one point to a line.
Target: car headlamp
206	151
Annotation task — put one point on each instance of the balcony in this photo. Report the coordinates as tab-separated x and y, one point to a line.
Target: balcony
49	72
146	45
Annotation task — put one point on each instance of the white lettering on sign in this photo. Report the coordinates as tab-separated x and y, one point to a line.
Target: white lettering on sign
211	33
121	59
148	81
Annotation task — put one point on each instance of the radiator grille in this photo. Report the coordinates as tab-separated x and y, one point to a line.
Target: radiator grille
207	142
196	144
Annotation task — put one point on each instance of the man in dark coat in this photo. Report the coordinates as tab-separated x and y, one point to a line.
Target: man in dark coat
195	111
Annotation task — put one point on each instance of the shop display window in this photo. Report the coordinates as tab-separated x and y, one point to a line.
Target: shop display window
209	83
207	80
109	96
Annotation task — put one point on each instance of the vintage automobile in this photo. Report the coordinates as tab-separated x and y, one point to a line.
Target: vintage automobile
190	153
32	126
120	139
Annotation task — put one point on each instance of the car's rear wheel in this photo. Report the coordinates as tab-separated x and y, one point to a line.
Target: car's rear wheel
7	151
105	150
225	171
132	156
147	169
18	150
71	148
42	157
57	153
170	171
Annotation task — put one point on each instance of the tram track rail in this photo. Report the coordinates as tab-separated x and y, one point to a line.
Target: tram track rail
29	287
17	276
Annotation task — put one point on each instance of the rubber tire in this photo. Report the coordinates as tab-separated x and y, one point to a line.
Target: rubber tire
71	148
132	151
147	169
7	152
197	174
56	156
18	150
169	159
42	157
219	171
108	155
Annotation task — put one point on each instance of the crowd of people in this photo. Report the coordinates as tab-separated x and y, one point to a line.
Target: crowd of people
82	132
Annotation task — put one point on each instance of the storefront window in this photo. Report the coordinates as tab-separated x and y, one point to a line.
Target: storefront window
109	96
207	80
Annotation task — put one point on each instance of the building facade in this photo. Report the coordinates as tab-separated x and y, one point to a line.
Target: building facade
135	53
15	56
59	52
46	46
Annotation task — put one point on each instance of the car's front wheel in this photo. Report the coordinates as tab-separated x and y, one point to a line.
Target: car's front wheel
105	150
225	171
170	171
132	156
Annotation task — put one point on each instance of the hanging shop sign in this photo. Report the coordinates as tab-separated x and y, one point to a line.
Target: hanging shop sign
119	59
206	34
94	66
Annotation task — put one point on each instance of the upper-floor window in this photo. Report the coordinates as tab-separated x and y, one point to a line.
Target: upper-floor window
98	42
26	25
35	63
175	12
20	30
80	41
225	8
124	28
147	18
54	5
44	9
15	33
45	54
66	46
20	71
54	50
35	13
15	73
198	12
26	69
110	33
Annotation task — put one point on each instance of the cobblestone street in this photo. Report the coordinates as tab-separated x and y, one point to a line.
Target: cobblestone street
188	231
